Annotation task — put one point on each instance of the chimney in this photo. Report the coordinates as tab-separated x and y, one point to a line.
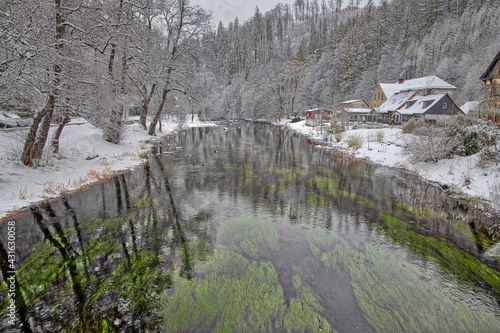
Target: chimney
400	81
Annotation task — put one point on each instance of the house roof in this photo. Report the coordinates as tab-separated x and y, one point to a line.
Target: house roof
484	76
427	82
358	110
396	101
352	101
418	106
469	106
318	109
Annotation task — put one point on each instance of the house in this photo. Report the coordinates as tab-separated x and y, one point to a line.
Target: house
314	117
355	103
491	80
422	86
358	110
471	107
394	103
434	108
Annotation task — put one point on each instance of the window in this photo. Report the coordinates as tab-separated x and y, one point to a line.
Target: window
445	105
410	103
427	103
494	88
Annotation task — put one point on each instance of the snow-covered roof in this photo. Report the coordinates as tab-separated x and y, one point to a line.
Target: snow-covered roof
427	82
418	105
469	106
396	101
352	101
358	110
318	109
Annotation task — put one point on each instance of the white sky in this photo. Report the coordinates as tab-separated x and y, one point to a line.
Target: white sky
228	10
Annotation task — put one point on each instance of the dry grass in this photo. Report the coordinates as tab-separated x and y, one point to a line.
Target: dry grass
380	136
23	193
54	190
100	176
128	154
355	141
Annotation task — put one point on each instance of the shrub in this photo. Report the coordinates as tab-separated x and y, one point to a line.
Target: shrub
471	134
296	117
428	144
410	126
495	194
380	136
355	141
339	136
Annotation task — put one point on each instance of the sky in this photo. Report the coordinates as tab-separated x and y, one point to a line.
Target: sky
227	10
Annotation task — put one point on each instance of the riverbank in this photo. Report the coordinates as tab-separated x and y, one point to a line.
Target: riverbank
384	146
84	158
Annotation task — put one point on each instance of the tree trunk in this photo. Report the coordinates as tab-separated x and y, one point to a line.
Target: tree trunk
41	138
145	104
57	134
27	156
113	131
156	118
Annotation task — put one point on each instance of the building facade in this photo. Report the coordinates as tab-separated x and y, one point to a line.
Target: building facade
491	99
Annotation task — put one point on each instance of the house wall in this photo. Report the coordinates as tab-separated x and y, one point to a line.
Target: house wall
378	98
358	104
444	107
492	88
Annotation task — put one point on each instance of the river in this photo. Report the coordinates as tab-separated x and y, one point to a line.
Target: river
248	228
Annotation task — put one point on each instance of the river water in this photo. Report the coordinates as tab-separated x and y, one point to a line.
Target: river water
249	229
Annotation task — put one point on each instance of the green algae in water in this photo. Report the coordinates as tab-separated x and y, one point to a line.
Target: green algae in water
326	172
324	185
395	295
316	200
253	236
143	202
453	261
239	295
303	313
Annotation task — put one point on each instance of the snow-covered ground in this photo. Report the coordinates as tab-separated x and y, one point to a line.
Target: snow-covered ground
84	158
461	174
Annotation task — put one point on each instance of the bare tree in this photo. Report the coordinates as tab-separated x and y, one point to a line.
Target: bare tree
183	22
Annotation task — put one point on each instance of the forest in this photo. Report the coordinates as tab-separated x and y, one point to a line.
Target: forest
97	59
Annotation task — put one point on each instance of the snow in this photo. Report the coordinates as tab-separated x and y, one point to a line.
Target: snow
427	82
84	157
418	107
460	174
358	110
396	101
470	106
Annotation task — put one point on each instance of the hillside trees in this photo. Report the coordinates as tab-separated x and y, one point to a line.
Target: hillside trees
349	50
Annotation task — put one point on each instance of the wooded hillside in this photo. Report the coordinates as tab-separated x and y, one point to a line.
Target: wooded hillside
312	54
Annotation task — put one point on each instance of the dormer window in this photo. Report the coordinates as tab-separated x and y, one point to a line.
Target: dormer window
427	103
410	103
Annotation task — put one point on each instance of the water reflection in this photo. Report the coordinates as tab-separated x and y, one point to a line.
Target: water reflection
345	245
